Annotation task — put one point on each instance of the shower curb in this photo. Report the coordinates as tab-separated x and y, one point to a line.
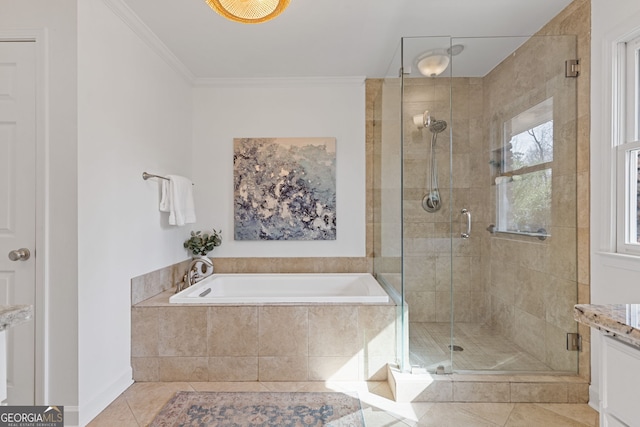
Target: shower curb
488	388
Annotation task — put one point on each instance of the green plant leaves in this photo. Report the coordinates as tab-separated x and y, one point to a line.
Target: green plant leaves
201	244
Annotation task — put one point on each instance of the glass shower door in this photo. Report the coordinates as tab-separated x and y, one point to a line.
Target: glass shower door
513	157
487	190
426	201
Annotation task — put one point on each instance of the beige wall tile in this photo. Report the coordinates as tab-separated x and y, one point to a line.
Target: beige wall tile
564	201
560	297
182	331
145	368
422	306
578	393
333	368
283	331
546	392
147	285
564	256
584	273
529	333
377	327
558	357
333	331
443	307
283	368
437	391
529	294
183	369
481	392
233	369
233	331
419	273
373	368
144	332
470	307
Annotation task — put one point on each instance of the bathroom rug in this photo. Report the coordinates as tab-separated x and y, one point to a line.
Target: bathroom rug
239	409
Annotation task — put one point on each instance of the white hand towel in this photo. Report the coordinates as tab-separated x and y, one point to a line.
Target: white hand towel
180	197
164	197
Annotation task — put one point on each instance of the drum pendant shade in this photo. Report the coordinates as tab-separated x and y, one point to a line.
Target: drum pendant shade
249	11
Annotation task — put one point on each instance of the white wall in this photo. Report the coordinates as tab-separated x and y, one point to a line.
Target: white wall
615	279
228	109
56	177
134	115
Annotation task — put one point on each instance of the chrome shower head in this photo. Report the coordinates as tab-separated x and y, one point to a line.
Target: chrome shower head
437	126
430	122
426	120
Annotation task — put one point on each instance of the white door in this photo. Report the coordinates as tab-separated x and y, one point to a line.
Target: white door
17	208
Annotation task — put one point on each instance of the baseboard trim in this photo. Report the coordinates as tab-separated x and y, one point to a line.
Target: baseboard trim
91	409
71	416
594	398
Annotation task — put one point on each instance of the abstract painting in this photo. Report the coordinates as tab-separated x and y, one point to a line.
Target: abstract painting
284	188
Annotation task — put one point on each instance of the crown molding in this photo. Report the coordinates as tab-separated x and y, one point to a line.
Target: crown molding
129	17
283	82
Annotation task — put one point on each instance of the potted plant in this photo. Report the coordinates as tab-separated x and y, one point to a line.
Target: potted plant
200	244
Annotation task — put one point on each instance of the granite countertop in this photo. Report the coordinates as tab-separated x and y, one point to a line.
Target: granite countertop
12	315
619	320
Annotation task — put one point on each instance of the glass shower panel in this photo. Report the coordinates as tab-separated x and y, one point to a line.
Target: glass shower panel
514	281
385	130
480	132
427	201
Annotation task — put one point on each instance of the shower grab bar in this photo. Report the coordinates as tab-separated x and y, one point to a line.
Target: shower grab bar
466	234
146	176
540	235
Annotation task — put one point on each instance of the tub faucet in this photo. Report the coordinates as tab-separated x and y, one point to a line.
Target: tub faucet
195	274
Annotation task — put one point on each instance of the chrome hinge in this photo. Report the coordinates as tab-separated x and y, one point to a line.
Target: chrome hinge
572	68
402	73
574	342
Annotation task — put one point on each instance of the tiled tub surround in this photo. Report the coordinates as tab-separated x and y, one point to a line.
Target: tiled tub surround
261	342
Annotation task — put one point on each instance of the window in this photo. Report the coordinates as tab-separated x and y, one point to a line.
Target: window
523	185
628	157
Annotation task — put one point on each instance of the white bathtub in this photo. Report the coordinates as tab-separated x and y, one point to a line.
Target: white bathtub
283	288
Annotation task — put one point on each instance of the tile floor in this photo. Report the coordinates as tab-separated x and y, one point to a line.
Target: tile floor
483	349
139	404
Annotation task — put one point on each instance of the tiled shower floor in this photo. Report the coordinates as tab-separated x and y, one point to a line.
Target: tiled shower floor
483	349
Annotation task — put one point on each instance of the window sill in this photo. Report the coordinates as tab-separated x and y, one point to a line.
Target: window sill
618	260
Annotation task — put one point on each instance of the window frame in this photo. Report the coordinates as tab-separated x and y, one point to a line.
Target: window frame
503	205
628	93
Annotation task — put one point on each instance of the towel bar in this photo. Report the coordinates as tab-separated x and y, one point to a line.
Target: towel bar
146	176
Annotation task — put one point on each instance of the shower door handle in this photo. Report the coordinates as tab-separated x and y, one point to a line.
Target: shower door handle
467	233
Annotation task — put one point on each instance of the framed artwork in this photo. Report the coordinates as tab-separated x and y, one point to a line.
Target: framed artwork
284	188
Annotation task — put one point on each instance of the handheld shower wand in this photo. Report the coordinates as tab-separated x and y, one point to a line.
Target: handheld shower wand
431	202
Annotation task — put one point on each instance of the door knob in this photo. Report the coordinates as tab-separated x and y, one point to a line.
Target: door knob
21	254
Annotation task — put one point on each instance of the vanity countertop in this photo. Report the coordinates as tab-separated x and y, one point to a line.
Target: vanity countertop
12	315
619	320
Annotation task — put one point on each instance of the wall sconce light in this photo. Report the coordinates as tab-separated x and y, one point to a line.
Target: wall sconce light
248	11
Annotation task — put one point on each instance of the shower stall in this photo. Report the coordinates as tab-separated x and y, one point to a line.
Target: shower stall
475	202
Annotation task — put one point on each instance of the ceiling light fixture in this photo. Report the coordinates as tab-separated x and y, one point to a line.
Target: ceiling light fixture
249	11
433	62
